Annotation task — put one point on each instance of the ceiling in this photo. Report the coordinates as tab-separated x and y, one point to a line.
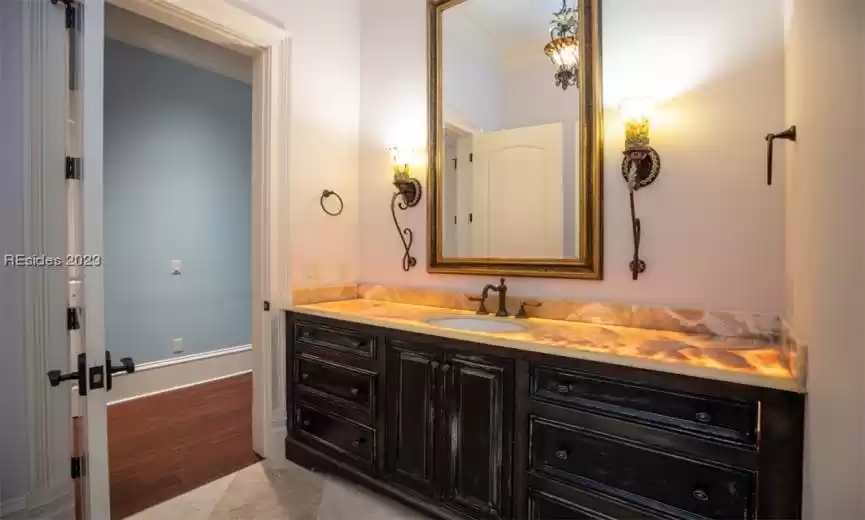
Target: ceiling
509	19
510	26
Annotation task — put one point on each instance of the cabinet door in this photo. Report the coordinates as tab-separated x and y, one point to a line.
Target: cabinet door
411	409
479	397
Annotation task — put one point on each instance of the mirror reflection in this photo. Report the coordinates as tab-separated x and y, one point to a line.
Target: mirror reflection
509	153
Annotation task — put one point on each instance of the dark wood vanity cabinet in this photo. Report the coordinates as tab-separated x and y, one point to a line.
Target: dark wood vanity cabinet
467	431
449	426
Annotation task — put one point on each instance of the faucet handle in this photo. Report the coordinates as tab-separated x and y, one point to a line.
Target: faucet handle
523	304
483	301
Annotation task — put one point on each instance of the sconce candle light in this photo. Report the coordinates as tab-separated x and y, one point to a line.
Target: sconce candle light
409	190
640	166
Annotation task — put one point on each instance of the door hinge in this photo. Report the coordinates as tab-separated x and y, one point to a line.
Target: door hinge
73	167
76	467
70	15
471	157
266	306
471	217
72	321
71	12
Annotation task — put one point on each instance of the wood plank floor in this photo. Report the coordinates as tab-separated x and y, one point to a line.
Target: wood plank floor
164	445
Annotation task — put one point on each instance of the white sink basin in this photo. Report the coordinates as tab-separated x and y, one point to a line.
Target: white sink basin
476	324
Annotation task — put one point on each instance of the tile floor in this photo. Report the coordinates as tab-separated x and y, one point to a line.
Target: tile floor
278	491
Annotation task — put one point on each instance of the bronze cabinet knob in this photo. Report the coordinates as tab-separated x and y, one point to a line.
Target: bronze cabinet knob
701	495
304	376
703	417
306	423
563	389
355	391
359	442
562	454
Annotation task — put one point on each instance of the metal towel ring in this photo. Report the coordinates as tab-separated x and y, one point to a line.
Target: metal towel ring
327	193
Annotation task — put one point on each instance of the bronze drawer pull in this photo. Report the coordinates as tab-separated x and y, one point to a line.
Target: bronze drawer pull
359	442
562	454
703	417
701	495
563	388
304	376
305	423
355	391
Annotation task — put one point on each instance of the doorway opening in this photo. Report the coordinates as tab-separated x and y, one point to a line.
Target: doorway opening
177	231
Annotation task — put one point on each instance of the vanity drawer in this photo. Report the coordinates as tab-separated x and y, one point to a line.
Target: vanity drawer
338	434
730	420
576	504
666	481
342	340
350	385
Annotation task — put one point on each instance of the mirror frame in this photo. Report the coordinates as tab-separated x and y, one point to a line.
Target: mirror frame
589	265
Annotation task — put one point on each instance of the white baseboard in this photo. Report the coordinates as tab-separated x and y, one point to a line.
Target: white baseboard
276	443
12	506
53	504
180	372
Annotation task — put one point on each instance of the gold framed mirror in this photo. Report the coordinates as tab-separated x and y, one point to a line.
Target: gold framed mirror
515	138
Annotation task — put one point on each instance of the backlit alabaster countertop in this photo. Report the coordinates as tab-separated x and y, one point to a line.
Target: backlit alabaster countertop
737	360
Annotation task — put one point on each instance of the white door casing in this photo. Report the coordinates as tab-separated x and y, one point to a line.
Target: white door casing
450	190
465	180
46	340
232	24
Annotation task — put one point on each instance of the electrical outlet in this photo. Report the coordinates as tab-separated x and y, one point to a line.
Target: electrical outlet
178	345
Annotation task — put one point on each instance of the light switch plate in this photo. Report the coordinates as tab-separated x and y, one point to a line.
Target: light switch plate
178	345
176	265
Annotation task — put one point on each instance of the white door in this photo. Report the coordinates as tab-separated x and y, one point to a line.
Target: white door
84	225
517	193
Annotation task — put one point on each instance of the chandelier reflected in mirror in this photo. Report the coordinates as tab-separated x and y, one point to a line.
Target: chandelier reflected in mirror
564	47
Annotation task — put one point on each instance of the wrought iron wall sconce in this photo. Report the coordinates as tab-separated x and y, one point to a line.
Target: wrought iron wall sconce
408	195
640	166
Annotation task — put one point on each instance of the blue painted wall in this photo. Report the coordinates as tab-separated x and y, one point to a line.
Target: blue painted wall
178	148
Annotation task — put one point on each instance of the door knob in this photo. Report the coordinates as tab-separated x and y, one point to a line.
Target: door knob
126	365
55	377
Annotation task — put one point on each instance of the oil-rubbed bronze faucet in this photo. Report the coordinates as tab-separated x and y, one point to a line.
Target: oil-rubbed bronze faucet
502	289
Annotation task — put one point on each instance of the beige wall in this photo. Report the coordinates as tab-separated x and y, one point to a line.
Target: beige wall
713	231
325	69
826	244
